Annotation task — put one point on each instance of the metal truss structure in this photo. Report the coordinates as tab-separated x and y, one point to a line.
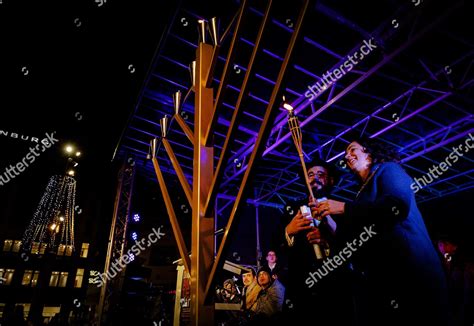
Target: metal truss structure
410	91
110	291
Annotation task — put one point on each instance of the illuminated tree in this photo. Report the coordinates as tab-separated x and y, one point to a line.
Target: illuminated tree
53	220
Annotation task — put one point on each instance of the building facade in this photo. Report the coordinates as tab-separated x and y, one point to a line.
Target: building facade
45	282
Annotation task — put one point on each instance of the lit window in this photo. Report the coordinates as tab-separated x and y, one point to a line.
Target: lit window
26	309
53	281
27	277
43	247
63	279
16	246
79	277
35	248
50	311
84	250
6	276
69	250
34	281
7	245
2	274
61	249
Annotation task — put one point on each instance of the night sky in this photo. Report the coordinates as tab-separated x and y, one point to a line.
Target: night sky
74	68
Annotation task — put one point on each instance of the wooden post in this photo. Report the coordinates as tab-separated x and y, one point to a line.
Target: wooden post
202	242
177	301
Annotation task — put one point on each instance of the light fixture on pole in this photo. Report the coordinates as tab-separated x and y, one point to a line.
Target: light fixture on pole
192	72
154	147
177	102
202	29
214	31
150	149
70	150
164	126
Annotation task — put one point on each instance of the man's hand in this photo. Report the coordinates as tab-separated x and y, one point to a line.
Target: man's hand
314	237
298	224
329	207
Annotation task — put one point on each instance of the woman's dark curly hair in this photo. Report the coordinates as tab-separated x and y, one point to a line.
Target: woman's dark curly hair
379	152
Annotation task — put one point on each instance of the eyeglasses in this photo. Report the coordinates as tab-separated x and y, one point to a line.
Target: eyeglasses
319	174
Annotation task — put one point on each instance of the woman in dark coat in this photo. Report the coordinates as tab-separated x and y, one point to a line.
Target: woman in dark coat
401	280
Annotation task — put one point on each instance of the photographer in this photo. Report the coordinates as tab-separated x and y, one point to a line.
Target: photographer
228	293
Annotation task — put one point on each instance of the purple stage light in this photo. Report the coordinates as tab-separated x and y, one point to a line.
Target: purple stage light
136	217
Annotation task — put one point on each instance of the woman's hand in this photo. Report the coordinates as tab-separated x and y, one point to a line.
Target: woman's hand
330	207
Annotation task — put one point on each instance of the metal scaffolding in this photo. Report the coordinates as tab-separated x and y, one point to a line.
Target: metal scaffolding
110	293
353	105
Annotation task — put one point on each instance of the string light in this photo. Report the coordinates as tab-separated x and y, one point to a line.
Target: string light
54	215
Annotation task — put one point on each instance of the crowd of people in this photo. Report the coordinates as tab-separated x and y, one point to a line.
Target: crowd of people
262	295
397	277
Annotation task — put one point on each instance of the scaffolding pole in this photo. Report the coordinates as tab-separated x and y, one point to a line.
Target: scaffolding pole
111	289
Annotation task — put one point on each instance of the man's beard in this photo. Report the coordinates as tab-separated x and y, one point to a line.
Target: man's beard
319	189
